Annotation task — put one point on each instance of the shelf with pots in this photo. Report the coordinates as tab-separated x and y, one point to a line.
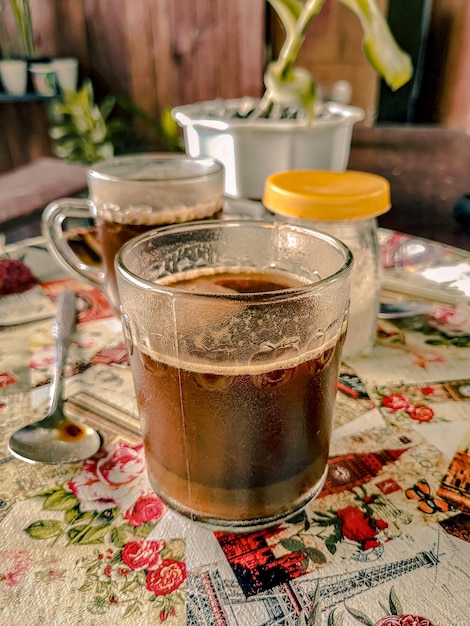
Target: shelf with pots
27	97
25	75
29	81
30	97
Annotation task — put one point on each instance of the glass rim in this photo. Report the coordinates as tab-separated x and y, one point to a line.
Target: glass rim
104	170
258	297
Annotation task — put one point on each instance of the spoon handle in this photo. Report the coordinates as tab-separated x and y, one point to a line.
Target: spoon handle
63	331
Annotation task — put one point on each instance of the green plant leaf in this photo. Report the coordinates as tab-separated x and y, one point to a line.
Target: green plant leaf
87	585
174	549
304	563
106	151
98	606
74	515
119	535
45	529
106	106
323	522
24	25
286	84
312	614
380	47
361	617
98	133
315	555
61	500
324	514
59	131
86	132
288	12
64	149
87	89
132	609
48	492
293	544
295	86
394	602
170	130
87	535
115	127
384	608
92	570
335	619
297	518
331	546
144	530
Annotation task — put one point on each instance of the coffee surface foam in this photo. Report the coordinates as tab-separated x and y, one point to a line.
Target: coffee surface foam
144	214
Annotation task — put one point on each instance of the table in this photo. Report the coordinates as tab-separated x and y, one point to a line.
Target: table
428	169
90	544
26	190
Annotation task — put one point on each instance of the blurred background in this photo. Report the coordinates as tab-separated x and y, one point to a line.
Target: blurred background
150	55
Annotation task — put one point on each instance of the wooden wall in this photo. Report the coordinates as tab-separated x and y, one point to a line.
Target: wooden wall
160	53
156	53
445	93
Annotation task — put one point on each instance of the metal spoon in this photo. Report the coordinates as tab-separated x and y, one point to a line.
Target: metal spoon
55	438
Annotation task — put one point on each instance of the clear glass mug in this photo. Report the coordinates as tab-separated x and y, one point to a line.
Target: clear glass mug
130	195
235	330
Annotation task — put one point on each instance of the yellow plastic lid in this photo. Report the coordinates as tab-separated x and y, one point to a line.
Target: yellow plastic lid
327	196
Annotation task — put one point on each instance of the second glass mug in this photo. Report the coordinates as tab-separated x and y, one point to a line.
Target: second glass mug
130	195
235	330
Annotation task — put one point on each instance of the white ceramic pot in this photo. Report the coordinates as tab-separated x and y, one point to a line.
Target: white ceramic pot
44	79
14	75
251	150
66	70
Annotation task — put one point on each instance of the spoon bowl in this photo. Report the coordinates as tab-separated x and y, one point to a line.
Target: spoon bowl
55	438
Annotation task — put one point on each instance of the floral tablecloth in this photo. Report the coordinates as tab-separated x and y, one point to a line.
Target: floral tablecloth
387	542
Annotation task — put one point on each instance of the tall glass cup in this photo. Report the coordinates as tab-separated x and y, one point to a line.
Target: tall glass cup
128	196
235	330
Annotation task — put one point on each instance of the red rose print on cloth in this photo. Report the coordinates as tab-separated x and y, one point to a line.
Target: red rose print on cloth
109	501
427	390
8	378
357	526
147	508
142	554
404	620
146	578
398	402
451	321
167	578
402	406
114	477
420	413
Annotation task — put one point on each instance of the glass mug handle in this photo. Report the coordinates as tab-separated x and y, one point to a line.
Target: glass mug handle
54	218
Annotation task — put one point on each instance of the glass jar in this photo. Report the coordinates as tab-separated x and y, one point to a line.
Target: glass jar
345	205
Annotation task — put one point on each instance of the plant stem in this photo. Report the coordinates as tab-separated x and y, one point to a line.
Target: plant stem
290	49
22	14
